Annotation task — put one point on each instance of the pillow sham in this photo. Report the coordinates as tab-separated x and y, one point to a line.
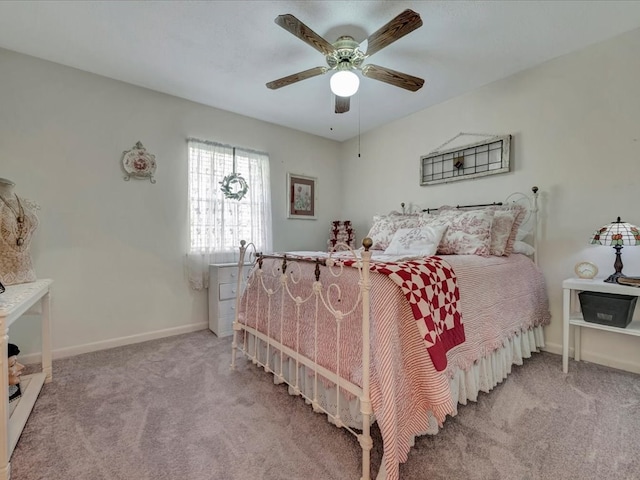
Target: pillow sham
421	242
501	231
520	214
385	226
523	247
468	231
506	222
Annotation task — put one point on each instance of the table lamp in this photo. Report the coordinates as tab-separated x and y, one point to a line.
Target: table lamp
617	234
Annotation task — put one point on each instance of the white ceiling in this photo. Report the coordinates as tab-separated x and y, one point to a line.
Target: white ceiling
221	53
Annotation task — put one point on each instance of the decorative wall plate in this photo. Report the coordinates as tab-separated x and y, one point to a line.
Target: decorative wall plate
138	163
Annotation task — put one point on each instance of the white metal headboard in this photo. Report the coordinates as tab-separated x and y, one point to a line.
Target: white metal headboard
528	201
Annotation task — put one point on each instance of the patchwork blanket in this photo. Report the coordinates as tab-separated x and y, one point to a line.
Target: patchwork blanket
431	287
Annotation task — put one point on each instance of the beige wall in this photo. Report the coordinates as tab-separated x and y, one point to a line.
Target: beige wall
575	123
116	249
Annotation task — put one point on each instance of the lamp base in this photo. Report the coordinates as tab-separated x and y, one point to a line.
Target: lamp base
613	278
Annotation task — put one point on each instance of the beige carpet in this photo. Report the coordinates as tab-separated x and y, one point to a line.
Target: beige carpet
171	409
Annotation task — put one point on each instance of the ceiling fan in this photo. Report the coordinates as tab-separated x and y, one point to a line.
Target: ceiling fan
344	56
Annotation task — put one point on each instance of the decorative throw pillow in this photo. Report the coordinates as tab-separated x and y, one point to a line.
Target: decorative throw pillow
421	242
506	222
501	231
520	213
468	232
385	226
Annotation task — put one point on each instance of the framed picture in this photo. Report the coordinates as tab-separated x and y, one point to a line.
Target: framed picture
301	196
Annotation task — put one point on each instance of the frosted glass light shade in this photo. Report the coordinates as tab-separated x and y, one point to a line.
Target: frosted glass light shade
344	83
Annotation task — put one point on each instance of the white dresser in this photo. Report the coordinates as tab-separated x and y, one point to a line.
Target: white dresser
223	286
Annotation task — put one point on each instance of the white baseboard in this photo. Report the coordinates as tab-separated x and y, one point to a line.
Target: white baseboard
553	348
169	332
599	359
114	342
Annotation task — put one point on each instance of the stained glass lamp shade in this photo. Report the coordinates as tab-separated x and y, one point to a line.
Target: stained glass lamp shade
617	234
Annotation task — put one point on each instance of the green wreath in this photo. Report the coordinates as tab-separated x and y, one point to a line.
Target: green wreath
234	180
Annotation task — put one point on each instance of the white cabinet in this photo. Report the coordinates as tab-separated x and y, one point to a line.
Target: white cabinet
14	302
572	315
223	291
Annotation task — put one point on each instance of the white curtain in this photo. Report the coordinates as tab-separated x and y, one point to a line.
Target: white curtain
218	223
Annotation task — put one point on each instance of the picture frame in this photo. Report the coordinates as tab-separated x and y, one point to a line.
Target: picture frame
301	196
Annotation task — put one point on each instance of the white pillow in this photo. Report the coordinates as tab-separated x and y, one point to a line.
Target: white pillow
422	241
524	248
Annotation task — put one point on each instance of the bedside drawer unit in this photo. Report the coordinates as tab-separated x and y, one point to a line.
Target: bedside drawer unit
223	291
227	291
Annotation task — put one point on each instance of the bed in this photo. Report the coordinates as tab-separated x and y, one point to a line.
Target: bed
433	309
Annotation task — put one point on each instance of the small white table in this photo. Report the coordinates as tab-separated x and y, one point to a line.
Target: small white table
14	302
572	315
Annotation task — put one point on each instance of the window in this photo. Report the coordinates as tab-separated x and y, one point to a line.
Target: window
217	223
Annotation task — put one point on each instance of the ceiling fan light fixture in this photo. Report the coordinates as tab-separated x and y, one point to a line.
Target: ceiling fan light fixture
344	83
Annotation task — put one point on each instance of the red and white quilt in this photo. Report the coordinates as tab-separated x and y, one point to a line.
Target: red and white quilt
431	287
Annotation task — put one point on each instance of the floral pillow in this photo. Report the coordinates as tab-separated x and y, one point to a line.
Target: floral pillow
385	226
501	231
520	214
468	232
419	242
506	222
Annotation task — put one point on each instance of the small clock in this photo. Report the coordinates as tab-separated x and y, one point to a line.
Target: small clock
586	270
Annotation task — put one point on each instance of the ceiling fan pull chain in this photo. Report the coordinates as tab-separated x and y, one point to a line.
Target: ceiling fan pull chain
461	134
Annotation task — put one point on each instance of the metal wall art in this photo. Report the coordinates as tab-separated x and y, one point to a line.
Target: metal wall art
138	163
487	157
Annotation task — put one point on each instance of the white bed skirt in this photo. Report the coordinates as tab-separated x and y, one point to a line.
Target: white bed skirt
465	385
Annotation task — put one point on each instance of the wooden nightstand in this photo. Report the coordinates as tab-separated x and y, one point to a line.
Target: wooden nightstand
572	314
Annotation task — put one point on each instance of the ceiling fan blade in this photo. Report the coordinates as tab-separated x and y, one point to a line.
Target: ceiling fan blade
397	28
296	77
292	25
342	104
399	79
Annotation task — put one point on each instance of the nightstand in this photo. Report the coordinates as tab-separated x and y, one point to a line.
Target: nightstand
572	315
223	290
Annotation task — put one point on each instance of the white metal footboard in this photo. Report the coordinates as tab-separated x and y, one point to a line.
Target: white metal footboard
321	297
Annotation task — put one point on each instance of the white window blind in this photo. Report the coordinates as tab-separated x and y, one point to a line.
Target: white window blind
217	223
